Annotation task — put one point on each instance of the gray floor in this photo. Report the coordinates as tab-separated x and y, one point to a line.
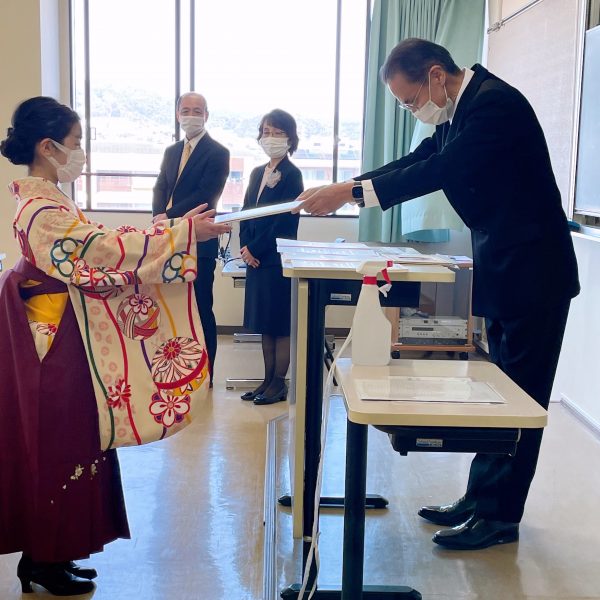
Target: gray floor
195	506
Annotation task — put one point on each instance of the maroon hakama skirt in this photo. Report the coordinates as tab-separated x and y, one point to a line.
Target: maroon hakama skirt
60	496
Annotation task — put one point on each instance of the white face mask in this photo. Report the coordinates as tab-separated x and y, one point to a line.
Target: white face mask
433	114
73	168
274	147
192	126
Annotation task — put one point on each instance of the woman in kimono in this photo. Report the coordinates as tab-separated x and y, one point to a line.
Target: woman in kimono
267	304
60	489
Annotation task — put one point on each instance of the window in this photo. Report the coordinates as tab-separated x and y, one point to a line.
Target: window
272	54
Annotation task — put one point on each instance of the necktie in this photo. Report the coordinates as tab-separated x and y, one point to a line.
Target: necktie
185	155
187	150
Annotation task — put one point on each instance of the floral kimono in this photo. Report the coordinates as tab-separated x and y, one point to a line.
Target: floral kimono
133	299
101	346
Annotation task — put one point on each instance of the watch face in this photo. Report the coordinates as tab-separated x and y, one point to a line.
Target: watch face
357	192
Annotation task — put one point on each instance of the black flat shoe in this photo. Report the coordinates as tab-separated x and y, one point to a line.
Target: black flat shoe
82	572
476	534
280	396
53	577
251	395
449	515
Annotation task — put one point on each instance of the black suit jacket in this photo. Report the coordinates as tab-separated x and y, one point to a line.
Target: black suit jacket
202	180
492	163
259	234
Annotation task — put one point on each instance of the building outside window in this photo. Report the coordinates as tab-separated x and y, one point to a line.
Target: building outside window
272	55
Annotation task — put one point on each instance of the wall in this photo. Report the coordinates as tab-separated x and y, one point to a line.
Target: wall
536	52
577	377
20	53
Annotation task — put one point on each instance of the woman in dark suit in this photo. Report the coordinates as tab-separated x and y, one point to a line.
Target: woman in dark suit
268	292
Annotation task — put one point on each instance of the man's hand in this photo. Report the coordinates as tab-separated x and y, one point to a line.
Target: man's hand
205	226
326	199
247	257
161	217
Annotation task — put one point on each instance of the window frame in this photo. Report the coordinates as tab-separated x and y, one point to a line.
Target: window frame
89	174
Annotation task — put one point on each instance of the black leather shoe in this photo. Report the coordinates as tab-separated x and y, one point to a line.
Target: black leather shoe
476	534
251	395
277	397
449	515
83	572
51	576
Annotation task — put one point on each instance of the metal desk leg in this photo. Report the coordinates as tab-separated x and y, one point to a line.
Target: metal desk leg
354	534
354	525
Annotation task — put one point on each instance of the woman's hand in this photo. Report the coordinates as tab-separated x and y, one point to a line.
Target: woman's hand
158	218
204	224
247	257
325	199
195	211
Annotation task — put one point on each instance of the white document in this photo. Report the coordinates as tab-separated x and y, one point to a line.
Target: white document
255	213
285	243
311	251
329	265
461	390
399	251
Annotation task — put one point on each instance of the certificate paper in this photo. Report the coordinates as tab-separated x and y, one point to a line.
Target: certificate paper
461	390
255	213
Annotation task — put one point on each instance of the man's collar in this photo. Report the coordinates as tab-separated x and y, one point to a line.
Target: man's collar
194	141
468	75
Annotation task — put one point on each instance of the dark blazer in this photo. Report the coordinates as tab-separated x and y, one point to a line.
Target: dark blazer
492	163
259	234
202	180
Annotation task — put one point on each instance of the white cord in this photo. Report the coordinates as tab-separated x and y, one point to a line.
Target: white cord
314	544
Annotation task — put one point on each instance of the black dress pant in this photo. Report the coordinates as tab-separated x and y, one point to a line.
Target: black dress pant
203	288
527	350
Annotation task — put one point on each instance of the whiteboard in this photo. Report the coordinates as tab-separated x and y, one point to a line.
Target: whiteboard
587	184
537	52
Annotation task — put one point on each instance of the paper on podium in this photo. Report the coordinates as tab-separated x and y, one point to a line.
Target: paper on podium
462	390
285	243
255	213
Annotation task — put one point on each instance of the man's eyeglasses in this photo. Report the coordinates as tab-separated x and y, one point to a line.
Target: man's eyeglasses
411	105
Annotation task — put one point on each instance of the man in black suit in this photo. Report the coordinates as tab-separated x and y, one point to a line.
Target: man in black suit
489	156
194	172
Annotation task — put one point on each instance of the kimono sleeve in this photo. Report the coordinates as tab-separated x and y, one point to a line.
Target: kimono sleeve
70	248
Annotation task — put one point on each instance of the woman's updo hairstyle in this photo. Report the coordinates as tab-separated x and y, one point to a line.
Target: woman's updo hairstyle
34	120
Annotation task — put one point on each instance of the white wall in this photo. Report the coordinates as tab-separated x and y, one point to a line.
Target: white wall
577	380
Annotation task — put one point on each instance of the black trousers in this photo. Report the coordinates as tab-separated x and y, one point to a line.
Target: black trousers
527	350
203	288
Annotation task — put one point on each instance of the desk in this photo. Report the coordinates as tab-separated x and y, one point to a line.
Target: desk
519	411
312	291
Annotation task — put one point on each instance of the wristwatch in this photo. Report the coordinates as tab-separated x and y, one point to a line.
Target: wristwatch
358	194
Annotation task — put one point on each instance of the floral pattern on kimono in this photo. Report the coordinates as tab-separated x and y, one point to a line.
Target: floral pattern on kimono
133	298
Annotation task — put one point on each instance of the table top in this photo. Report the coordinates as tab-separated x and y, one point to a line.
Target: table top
519	410
421	273
234	268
